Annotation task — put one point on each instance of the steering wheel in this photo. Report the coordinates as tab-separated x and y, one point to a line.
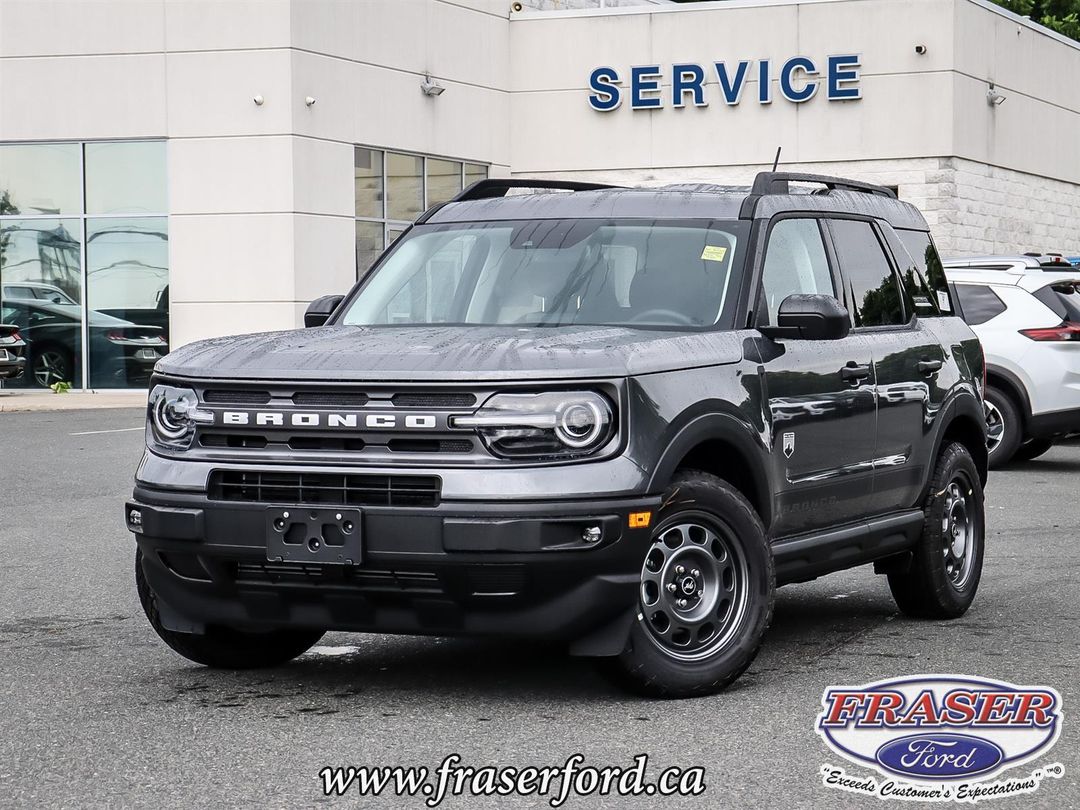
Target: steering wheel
671	315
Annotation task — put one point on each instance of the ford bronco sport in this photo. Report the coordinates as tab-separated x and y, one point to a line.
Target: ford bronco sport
614	417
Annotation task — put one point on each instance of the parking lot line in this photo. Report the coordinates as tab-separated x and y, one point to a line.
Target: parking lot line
114	430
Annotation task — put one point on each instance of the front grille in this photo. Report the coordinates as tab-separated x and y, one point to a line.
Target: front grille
429	445
330	399
325	488
228	396
363	578
433	400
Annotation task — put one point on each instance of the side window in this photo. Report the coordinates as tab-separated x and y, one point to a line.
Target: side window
873	294
928	265
795	262
979	302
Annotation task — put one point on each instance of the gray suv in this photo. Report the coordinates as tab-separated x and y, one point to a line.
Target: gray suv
612	417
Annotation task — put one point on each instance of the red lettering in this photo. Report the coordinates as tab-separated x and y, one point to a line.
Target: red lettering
960	707
996	709
882	707
1034	708
923	711
842	706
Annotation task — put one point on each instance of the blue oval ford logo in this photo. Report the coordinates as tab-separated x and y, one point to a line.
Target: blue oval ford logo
939	756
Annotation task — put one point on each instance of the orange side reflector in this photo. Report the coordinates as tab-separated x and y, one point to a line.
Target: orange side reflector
640	520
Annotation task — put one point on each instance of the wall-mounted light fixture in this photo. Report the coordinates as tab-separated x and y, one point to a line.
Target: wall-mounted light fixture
430	87
259	100
993	97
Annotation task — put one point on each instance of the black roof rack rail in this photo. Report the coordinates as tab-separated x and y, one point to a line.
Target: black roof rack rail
777	183
498	186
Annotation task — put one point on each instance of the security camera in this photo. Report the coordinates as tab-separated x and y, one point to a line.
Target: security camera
920	50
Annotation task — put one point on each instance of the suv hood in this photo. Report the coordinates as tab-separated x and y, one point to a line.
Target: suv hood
450	353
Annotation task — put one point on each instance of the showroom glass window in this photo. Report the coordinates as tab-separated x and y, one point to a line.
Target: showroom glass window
84	260
394	188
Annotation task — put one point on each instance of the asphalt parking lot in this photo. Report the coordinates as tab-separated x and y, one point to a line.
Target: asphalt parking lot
96	712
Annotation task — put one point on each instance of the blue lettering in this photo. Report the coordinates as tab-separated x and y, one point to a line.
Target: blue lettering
764	82
688	78
843	72
644	79
606	94
732	88
787	74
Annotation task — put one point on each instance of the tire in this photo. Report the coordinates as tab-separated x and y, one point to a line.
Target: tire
223	647
1005	428
52	364
1032	449
942	580
710	531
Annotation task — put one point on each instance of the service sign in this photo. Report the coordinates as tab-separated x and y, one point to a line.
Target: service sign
940	737
652	87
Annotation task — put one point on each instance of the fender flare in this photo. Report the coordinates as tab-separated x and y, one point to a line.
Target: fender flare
723	427
962	404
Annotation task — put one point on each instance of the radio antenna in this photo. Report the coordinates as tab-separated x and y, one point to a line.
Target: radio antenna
776	160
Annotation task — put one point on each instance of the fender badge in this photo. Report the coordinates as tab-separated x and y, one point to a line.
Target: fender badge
789	445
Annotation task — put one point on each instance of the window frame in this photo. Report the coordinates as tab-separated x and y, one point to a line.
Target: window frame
756	302
391	224
909	318
83	216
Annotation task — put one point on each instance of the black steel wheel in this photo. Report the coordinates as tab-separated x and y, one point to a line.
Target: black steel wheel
947	563
706	594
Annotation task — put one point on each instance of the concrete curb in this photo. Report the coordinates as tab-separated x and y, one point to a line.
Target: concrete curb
12	402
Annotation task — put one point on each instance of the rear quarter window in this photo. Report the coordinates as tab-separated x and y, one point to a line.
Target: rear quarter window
927	268
979	303
1063	299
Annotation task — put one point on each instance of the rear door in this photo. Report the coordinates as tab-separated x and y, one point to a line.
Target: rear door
908	358
820	394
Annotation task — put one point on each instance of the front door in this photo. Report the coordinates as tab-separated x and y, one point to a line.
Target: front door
819	394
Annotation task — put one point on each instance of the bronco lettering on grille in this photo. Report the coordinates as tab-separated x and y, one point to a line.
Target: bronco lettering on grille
371	421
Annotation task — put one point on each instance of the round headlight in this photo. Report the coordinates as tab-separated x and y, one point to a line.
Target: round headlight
579	424
171	415
174	412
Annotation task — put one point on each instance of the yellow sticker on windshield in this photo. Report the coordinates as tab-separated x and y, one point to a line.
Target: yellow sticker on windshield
712	253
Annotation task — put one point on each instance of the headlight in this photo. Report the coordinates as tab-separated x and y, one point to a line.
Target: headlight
173	414
569	424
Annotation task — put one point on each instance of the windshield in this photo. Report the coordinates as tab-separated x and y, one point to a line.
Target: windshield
641	273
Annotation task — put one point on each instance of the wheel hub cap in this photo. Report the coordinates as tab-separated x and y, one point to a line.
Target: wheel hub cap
693	589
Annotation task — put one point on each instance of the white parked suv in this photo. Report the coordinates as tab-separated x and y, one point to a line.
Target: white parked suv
1026	311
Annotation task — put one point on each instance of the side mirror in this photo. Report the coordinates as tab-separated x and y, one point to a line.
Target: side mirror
809	317
320	310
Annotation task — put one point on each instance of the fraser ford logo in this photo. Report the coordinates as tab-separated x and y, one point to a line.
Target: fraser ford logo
940	737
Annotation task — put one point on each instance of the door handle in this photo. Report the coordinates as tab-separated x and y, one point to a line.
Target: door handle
853	372
929	366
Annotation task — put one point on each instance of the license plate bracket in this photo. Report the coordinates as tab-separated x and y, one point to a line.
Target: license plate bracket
306	534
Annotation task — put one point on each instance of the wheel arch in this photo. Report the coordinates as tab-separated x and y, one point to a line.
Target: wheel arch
965	423
1012	386
725	446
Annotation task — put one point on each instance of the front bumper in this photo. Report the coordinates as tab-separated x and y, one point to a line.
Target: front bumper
493	567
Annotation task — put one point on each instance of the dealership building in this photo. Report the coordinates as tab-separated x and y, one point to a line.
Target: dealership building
178	169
